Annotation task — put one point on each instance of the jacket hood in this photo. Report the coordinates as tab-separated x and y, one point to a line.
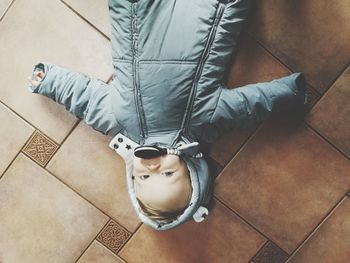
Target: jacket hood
199	175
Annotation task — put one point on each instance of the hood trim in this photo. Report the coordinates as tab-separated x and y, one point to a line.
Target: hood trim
193	211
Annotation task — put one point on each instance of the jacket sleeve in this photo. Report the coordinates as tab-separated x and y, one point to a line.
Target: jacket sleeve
85	97
248	105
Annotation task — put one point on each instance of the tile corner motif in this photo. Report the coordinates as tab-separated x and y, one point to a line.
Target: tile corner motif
113	236
270	253
40	148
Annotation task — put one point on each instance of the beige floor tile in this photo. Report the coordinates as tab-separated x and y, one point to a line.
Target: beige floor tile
96	12
4	4
32	32
14	132
98	253
331	241
41	219
284	181
222	237
87	164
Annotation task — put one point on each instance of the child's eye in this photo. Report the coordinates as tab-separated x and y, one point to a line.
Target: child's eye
143	177
168	173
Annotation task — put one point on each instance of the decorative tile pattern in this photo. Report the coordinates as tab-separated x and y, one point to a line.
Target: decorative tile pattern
113	236
270	253
40	148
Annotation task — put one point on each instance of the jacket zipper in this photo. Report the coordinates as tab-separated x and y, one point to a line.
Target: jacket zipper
211	37
135	70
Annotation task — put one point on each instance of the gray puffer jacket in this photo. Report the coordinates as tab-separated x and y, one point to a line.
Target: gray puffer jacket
169	59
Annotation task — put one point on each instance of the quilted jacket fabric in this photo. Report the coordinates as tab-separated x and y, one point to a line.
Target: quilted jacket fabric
169	59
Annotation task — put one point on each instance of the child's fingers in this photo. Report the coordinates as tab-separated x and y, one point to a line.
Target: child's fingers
32	81
40	74
36	78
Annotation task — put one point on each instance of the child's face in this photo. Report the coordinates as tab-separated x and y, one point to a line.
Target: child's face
162	183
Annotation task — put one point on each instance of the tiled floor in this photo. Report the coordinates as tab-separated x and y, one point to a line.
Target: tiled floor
283	191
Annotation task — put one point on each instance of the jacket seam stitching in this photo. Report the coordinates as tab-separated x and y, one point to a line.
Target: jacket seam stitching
159	61
216	104
92	98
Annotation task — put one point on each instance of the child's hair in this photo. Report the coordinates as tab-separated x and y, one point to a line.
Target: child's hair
162	215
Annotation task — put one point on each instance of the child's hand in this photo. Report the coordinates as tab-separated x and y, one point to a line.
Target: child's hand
36	78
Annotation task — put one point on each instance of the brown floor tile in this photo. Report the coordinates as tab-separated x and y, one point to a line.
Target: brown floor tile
88	165
14	132
64	39
270	253
41	219
4	4
214	167
97	253
331	116
309	36
251	65
222	237
284	181
40	148
314	96
331	241
113	236
96	12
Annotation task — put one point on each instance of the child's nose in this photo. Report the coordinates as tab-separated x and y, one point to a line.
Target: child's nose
152	166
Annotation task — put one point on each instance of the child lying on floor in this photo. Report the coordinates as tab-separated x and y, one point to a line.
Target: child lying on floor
167	95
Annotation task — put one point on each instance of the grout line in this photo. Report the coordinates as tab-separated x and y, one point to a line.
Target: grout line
5	12
93	240
251	260
20	151
247	222
261	44
246	141
335	79
63	141
324	138
331	83
330	87
75	191
131	236
318	226
25	120
80	195
126	241
82	17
